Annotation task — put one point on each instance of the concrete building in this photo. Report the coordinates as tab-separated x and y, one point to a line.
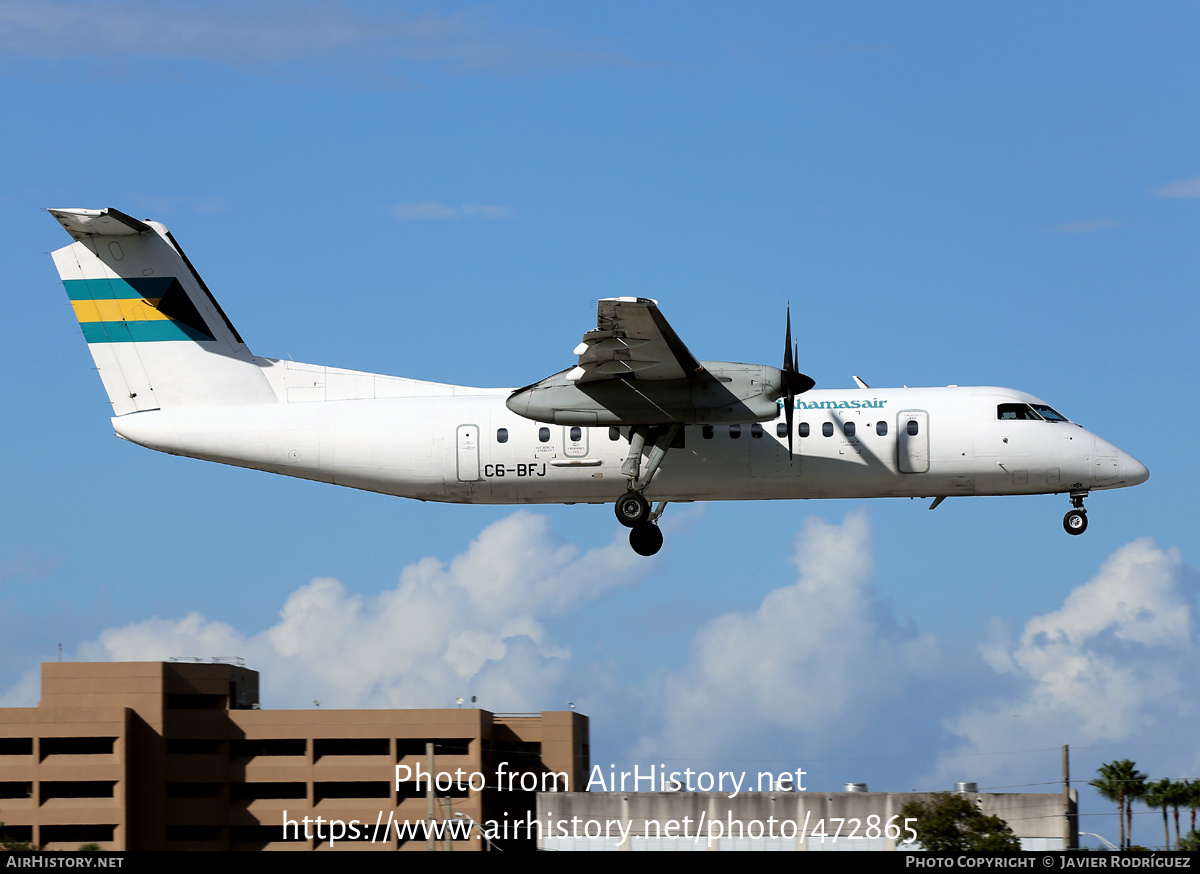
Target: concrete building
782	820
178	755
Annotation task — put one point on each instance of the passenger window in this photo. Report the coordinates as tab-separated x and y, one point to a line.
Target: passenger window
543	435
502	435
756	430
881	429
735	431
781	429
804	429
827	429
912	427
848	429
707	432
614	433
576	434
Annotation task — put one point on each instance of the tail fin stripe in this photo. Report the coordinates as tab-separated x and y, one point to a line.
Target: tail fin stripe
118	289
103	305
139	332
138	310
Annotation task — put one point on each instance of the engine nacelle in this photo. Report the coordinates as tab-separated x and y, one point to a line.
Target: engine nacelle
724	393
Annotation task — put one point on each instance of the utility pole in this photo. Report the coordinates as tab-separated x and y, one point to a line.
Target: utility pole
1069	826
430	809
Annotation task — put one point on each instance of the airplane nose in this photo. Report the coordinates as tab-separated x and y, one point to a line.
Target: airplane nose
1135	472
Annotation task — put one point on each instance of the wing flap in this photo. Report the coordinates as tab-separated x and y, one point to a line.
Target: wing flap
632	340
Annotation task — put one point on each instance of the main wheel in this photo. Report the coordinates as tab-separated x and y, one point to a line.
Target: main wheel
645	538
1075	522
632	509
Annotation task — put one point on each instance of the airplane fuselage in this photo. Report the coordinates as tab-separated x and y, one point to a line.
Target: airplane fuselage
460	444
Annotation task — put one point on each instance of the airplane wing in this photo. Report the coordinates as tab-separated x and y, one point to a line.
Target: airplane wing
634	370
632	340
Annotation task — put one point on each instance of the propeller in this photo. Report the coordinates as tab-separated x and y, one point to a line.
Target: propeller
794	382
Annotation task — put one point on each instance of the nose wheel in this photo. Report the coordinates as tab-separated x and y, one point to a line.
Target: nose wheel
1075	522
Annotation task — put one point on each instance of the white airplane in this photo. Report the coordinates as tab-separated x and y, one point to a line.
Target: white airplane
637	419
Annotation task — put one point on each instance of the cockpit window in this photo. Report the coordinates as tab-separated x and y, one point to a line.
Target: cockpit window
1009	412
1049	413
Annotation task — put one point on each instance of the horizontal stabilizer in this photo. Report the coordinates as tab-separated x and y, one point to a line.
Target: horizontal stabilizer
99	222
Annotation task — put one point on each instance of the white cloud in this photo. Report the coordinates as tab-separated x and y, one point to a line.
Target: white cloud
816	659
26	692
1182	188
363	43
1113	664
473	626
432	209
820	672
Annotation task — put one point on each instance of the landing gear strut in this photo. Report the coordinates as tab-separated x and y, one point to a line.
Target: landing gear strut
1075	522
632	509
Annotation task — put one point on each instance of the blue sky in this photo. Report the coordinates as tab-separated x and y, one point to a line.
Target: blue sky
945	193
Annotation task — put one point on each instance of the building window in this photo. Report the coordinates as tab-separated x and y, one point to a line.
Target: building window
350	746
77	789
78	746
17	746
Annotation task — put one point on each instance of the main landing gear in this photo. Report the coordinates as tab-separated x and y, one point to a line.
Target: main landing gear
1075	522
646	538
632	509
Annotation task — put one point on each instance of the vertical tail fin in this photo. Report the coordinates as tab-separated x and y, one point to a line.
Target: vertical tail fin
158	336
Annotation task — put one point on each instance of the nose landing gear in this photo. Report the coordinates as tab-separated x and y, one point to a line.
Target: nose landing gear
1075	522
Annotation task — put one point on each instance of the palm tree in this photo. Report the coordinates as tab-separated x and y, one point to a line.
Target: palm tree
1158	795
1121	782
1193	798
1180	793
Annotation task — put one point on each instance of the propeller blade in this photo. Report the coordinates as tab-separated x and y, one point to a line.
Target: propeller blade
794	382
789	412
789	363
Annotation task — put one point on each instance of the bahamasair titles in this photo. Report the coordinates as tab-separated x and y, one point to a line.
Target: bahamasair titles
637	420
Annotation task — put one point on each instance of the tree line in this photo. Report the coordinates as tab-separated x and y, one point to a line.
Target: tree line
1123	783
